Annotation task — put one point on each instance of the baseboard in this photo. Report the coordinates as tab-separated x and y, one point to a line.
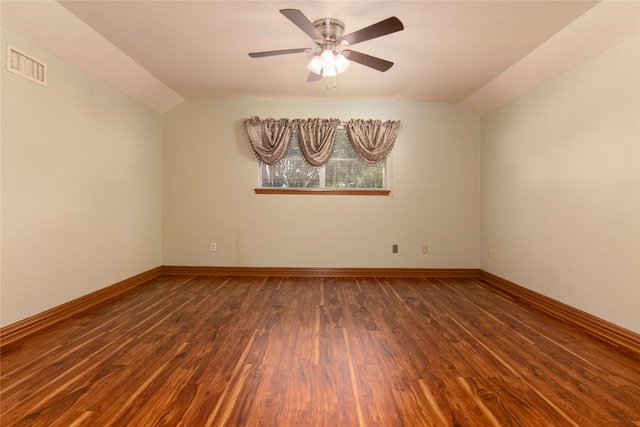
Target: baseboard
321	272
621	338
15	332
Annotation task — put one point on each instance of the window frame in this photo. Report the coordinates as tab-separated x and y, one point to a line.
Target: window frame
321	190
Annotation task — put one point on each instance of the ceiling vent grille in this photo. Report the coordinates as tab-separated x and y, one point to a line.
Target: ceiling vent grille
26	66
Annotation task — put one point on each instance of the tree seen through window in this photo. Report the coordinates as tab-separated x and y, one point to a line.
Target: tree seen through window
343	171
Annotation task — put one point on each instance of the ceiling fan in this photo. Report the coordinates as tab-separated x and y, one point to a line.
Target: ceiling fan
330	55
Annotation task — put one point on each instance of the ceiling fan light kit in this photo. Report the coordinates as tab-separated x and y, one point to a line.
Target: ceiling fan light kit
329	55
328	64
331	61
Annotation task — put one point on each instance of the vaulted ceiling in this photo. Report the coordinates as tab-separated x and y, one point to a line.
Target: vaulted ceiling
479	53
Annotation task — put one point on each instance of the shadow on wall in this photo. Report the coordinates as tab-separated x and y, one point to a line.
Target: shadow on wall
242	140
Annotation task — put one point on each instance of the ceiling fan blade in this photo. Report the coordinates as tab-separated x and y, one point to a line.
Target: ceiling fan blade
313	77
382	28
301	21
277	52
368	60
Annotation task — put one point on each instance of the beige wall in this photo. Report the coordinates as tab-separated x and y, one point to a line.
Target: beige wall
561	188
97	188
210	173
81	176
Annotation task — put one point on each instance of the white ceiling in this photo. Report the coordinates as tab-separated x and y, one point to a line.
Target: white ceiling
479	53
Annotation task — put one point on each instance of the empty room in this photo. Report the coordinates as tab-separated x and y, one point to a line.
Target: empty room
320	213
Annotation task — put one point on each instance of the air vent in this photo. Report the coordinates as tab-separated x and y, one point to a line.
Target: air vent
26	66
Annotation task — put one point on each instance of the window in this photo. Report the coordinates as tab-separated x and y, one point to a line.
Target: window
344	171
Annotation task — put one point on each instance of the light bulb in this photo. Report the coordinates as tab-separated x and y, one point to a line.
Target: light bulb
327	56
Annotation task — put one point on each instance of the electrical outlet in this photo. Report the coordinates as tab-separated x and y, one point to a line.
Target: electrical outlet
394	249
489	253
425	249
214	247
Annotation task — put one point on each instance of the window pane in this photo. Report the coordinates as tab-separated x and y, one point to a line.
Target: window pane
294	148
290	173
350	173
343	170
342	148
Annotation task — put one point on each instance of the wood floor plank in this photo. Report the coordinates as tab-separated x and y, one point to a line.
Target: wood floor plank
297	403
506	352
316	351
376	397
565	379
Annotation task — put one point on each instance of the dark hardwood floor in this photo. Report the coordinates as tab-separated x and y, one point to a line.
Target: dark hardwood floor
295	351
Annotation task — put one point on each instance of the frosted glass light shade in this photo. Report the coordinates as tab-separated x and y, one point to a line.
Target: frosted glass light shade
342	64
329	72
327	57
315	65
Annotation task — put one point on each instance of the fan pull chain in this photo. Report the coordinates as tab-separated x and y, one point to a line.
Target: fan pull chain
335	82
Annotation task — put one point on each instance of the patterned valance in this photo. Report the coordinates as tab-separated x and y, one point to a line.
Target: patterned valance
372	140
316	138
269	138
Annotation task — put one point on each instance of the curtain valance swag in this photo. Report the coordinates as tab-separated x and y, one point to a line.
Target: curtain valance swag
372	140
317	138
270	138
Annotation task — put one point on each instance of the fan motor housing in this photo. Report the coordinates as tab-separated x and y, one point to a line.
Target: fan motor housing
330	28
